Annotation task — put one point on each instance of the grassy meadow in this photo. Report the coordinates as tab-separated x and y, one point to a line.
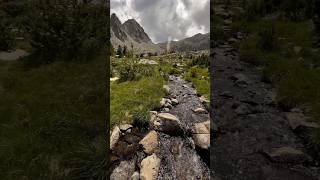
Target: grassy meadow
139	88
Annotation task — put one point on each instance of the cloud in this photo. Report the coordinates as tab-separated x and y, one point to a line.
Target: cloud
161	19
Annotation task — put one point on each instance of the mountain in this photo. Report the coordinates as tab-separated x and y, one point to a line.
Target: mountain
130	34
194	43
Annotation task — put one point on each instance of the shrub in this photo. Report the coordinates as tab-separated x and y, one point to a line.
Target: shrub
202	60
267	36
67	29
130	70
6	35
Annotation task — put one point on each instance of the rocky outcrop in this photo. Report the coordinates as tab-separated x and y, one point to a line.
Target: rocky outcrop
131	35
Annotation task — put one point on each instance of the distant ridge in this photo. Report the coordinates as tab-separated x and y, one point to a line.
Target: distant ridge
131	33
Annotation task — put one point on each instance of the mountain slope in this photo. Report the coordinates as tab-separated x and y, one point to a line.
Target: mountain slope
194	43
132	35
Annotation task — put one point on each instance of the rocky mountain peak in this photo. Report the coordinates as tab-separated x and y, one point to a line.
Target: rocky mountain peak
133	28
116	29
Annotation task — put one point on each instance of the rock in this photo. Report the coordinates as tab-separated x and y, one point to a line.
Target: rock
123	171
114	79
150	142
226	94
200	111
227	22
14	55
201	134
125	127
147	61
288	155
300	120
162	102
174	101
243	109
150	168
168	101
114	137
232	40
132	139
185	86
240	79
135	176
166	109
297	49
202	128
166	88
203	99
168	105
167	123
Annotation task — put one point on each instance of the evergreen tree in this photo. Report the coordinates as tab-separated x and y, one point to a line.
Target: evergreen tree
124	52
119	51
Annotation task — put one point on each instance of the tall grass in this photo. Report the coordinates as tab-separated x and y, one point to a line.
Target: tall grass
48	111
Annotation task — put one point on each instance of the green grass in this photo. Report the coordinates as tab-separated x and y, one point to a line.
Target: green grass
48	114
132	100
200	78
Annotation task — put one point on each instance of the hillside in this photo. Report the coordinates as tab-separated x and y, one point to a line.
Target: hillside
194	43
130	34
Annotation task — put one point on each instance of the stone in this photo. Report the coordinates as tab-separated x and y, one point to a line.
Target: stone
232	40
174	101
114	79
125	127
162	102
114	137
202	140
123	171
200	111
166	88
167	123
168	101
203	99
13	56
297	119
288	155
226	94
166	109
297	49
147	61
243	109
168	105
185	86
240	79
202	128
201	134
135	176
150	142
150	168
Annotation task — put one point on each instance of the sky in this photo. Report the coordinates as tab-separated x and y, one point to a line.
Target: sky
165	20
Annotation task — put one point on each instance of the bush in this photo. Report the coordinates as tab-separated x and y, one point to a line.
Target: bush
267	36
130	70
67	29
6	35
202	61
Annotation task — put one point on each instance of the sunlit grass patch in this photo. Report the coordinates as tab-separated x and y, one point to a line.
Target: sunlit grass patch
132	98
200	79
